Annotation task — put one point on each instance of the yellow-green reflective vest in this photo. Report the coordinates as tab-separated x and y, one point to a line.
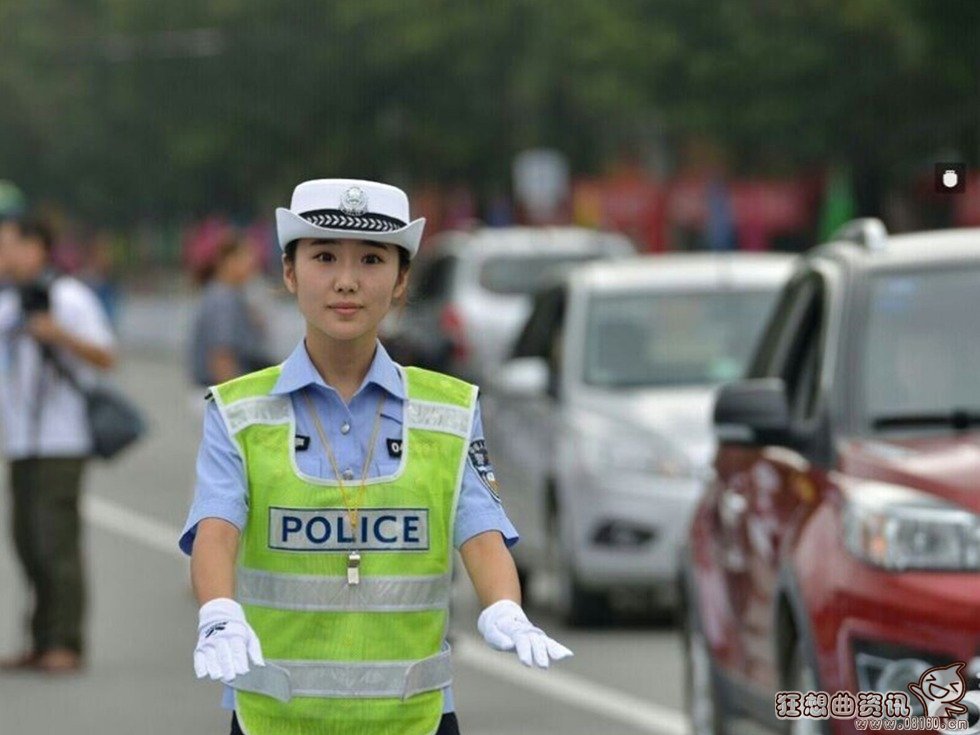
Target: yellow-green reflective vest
364	659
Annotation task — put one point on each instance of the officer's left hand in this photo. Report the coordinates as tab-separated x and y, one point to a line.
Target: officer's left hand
505	627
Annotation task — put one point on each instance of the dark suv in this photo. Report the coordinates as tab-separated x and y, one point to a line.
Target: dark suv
837	549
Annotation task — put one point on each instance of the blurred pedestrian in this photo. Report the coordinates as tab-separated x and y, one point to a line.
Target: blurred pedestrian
229	336
99	273
719	230
50	325
344	579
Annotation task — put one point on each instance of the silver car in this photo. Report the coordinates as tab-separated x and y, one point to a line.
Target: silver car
600	423
474	291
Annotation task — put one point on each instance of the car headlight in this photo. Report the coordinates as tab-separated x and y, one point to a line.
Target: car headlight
899	528
640	452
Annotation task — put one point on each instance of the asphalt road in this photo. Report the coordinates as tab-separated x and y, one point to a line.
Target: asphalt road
142	620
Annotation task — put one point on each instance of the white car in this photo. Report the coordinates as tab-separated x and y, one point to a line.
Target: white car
600	424
474	290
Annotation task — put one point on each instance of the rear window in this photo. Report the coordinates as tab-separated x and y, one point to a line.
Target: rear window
526	275
656	339
921	344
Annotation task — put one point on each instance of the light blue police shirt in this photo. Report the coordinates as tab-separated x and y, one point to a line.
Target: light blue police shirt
221	492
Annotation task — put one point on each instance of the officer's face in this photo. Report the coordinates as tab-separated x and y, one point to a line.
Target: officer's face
344	288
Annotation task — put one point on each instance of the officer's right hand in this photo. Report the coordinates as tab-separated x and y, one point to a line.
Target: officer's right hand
225	641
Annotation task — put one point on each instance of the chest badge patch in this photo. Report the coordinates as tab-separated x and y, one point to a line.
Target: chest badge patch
394	448
480	460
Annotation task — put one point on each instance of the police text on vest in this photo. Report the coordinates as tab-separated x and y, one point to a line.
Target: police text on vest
329	529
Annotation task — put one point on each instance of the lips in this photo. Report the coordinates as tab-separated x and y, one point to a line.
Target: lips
345	308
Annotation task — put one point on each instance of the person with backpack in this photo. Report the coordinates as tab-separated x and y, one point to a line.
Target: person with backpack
50	325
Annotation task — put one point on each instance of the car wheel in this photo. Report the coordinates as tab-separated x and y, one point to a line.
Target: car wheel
802	677
577	605
705	707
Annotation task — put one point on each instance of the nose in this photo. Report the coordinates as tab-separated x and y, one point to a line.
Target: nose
346	281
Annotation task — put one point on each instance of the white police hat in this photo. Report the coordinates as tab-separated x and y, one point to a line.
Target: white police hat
333	209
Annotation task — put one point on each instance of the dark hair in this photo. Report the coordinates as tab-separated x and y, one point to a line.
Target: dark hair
34	228
404	260
230	243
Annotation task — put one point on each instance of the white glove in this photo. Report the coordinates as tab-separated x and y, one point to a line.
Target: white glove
504	626
225	642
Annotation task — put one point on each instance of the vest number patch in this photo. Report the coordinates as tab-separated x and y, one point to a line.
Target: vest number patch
329	529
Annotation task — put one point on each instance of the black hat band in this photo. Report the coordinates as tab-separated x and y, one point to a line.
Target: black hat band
335	219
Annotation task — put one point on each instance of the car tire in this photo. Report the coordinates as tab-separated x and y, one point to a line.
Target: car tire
801	676
578	606
705	707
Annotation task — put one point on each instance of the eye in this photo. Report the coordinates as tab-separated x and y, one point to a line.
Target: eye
372	258
324	256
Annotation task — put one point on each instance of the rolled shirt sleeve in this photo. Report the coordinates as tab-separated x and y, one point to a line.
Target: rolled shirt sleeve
221	490
480	508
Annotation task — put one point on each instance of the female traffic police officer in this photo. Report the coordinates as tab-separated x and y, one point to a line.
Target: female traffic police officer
330	489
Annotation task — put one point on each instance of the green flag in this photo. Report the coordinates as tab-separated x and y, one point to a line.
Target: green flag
839	206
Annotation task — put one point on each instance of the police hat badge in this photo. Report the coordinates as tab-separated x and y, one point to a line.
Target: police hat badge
354	202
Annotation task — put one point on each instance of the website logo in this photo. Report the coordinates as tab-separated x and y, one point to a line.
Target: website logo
939	690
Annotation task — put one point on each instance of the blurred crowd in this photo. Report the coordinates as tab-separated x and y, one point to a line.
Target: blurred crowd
702	207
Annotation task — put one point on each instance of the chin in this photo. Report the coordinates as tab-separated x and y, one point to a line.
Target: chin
343	332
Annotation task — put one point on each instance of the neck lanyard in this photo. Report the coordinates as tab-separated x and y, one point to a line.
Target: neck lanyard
353	507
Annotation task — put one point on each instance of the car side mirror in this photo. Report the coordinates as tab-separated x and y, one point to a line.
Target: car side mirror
523	377
753	412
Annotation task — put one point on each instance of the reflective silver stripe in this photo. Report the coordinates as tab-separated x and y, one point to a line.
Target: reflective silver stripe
315	593
438	417
261	410
348	679
270	680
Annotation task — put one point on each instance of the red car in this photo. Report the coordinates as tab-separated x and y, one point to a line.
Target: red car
837	549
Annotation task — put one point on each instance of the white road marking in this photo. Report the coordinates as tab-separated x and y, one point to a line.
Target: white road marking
134	526
468	650
570	689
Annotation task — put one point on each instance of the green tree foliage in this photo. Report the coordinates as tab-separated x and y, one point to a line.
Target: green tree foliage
127	109
808	80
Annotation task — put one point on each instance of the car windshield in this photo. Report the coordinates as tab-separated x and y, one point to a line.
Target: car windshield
526	275
676	338
921	347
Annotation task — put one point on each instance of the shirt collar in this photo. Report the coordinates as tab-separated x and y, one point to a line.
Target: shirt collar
298	372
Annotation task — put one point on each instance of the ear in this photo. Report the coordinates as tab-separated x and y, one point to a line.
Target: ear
401	284
289	274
